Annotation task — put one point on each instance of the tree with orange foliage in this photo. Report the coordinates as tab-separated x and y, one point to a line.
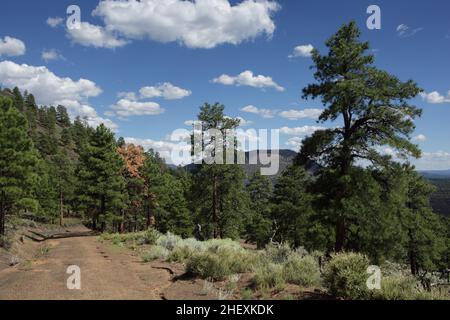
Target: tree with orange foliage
133	157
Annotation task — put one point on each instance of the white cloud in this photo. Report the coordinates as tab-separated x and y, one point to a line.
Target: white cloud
311	113
242	123
302	51
49	89
11	47
247	78
164	147
55	22
265	113
405	31
435	97
166	90
295	143
439	160
195	24
126	108
128	95
52	54
90	35
300	131
420	138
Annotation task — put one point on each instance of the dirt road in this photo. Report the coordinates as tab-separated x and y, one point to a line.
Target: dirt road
107	272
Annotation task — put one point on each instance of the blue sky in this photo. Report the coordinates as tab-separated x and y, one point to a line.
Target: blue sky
186	46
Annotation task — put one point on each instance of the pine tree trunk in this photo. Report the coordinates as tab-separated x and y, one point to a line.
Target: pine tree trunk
2	214
214	203
102	213
412	255
341	228
61	209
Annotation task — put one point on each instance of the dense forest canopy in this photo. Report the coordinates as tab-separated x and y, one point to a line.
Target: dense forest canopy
52	167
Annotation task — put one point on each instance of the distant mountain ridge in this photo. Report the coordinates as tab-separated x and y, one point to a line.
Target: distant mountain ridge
435	174
286	158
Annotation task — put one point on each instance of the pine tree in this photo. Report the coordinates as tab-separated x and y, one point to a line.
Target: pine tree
101	183
62	116
373	106
18	99
17	161
291	207
259	226
63	171
219	188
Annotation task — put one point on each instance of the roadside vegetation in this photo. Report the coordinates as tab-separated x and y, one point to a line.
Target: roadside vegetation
272	269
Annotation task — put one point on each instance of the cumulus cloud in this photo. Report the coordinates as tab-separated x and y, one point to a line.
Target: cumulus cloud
247	78
420	138
90	35
128	95
405	31
300	131
265	113
49	89
302	51
243	122
55	22
295	143
195	24
164	147
166	90
126	108
52	54
311	113
435	97
439	160
11	47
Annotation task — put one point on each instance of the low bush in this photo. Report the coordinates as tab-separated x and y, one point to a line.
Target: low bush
269	276
346	275
401	287
219	265
302	270
169	241
397	288
277	253
156	252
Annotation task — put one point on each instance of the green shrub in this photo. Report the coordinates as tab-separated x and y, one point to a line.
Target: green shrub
219	265
208	265
149	237
303	271
156	252
169	241
269	276
346	275
400	287
277	253
397	288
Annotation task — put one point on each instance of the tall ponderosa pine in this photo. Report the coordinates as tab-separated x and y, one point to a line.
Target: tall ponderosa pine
18	159
373	106
101	183
219	188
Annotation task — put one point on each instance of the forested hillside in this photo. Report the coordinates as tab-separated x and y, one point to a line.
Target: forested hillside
52	167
